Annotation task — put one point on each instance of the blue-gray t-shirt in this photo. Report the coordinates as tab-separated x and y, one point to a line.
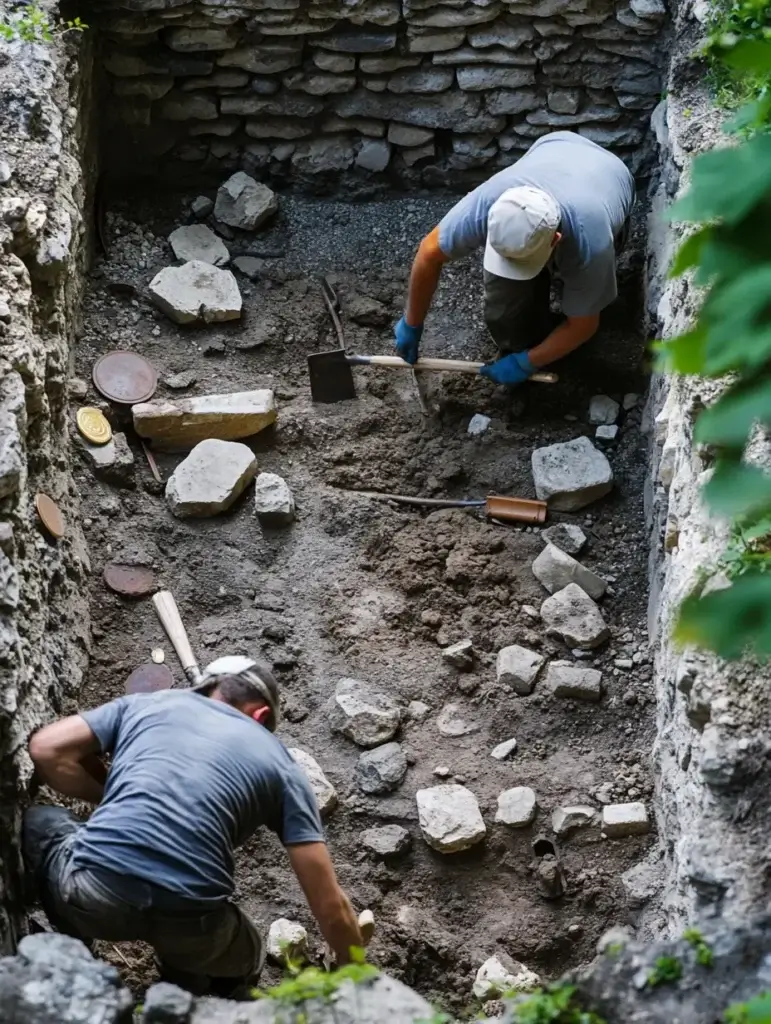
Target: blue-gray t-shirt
191	779
595	191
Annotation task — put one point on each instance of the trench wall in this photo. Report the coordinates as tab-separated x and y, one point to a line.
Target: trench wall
427	91
713	736
43	610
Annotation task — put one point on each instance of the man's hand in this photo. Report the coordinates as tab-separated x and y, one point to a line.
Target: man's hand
329	904
408	340
510	371
59	751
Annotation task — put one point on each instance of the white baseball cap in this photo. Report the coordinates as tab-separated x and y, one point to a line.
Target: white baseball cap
250	670
520	233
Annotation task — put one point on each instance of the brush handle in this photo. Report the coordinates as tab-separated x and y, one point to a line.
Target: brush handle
171	620
453	365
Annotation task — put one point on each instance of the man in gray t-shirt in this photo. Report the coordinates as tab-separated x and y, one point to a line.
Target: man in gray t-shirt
194	773
563	208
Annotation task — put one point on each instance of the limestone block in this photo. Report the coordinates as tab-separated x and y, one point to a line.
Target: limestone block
605	434
567	536
381	770
374	155
516	807
363	125
589	114
196	293
413	156
467	55
571	475
323	790
476	79
564	101
363	714
197	242
555	569
184	422
602	408
449	818
460	655
421	80
244	203
287	940
337	63
435	42
323	155
273	501
220	79
567	819
385	65
501	975
277	128
572	615
620	820
452	110
320	83
608	137
262	60
564	679
210	479
361	41
153	87
518	668
513	37
387	840
448	17
512	101
407	135
112	462
192	40
188	106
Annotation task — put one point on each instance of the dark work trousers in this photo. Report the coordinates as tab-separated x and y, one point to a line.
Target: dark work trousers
205	948
517	313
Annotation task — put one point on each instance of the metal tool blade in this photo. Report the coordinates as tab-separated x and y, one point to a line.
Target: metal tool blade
331	378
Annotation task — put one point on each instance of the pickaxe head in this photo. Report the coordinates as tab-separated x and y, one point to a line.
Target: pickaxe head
331	376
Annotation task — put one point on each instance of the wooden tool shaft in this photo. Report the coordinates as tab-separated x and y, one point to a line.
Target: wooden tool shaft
452	365
168	613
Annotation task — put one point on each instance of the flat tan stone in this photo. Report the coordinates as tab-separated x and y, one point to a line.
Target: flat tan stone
186	421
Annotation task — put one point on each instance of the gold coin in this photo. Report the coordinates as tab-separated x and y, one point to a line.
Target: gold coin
93	425
158	656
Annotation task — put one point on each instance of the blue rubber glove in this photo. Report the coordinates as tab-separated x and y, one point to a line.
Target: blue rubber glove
510	371
408	340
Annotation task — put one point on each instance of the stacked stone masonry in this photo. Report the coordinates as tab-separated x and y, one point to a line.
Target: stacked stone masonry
425	89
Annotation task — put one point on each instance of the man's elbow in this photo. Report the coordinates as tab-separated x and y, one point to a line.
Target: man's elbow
41	749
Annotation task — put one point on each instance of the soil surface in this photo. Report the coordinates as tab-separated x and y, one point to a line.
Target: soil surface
364	589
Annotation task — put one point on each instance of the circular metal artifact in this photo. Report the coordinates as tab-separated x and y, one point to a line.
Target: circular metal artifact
125	377
129	580
50	516
93	425
149	679
157	655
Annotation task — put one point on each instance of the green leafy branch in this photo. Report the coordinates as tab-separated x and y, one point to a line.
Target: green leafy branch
729	254
553	1005
31	24
299	986
704	955
756	1011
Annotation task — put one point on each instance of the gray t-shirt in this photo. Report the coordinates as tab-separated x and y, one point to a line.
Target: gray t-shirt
191	779
595	192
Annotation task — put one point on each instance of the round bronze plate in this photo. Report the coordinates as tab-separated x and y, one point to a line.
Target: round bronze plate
129	580
50	516
149	679
125	377
93	425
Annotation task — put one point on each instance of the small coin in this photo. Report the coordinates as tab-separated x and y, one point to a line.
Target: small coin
158	656
149	679
93	425
50	516
129	580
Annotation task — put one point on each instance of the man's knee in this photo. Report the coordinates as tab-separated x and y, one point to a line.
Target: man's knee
43	829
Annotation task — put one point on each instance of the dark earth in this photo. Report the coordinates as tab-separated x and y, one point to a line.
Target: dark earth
368	590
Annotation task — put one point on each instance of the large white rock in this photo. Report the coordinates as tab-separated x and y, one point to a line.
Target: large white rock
273	501
555	569
449	818
287	940
197	242
573	616
566	819
196	293
603	409
210	479
244	203
516	806
619	820
571	475
501	974
567	536
323	790
363	714
564	679
183	422
518	668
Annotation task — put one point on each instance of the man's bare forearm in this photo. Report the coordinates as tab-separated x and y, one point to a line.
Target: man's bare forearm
340	928
71	779
424	280
564	339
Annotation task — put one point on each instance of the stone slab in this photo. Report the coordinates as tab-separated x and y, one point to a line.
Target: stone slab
572	615
183	422
449	818
197	242
210	479
620	820
244	203
518	668
196	293
516	807
323	790
571	475
362	713
273	500
555	569
564	679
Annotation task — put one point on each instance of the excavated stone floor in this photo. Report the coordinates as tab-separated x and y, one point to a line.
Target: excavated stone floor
360	589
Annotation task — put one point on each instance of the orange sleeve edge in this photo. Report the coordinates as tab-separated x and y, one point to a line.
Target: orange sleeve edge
429	247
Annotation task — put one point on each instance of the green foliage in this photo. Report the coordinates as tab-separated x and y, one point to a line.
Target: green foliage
314	983
729	254
553	1005
756	1011
666	971
737	52
704	955
31	24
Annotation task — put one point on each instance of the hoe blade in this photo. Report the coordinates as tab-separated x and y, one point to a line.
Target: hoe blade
331	376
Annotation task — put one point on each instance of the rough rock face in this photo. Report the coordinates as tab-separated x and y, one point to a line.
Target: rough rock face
196	293
323	790
571	475
244	203
197	242
184	422
449	818
210	479
365	715
273	501
572	615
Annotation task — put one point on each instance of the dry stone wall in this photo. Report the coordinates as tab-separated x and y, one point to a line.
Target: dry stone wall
43	611
427	90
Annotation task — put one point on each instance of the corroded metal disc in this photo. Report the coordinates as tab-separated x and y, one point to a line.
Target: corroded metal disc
93	425
125	377
149	678
50	516
129	580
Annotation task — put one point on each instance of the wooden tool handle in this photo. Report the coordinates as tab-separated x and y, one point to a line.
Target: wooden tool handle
168	613
453	365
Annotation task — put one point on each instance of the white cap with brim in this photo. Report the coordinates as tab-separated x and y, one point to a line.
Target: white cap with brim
237	665
520	233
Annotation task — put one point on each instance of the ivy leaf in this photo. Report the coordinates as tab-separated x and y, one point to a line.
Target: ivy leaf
749	55
727	183
729	421
690	252
738	490
759	1010
731	622
683	354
